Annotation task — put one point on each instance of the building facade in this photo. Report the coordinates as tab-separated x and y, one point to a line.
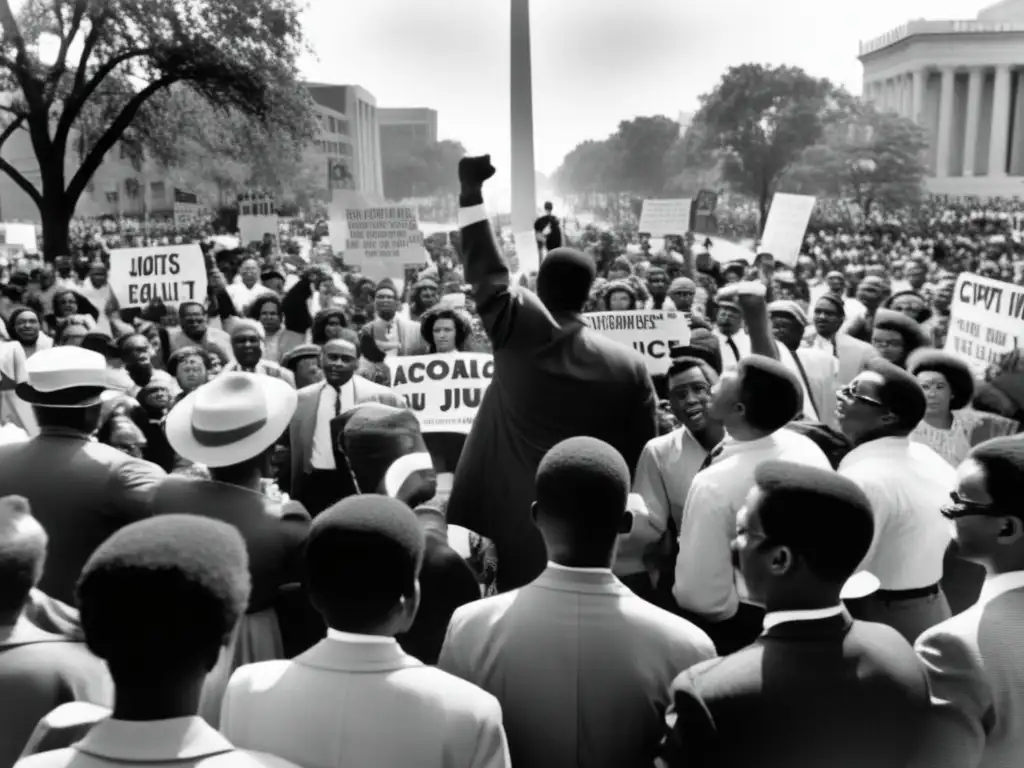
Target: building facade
963	82
350	126
402	130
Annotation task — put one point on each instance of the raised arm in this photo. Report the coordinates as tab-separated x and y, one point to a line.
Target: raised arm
512	316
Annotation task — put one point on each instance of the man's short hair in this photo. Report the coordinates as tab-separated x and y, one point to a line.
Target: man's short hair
163	594
22	552
900	392
685	363
771	395
583	482
1003	461
362	556
822	516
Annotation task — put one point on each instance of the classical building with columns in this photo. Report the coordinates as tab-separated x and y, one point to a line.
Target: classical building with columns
963	82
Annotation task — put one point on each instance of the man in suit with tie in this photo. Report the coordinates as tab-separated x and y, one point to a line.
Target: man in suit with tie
816	688
580	664
733	340
319	469
356	698
852	354
975	660
553	378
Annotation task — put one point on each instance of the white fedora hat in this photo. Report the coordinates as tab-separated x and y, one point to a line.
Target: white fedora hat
231	419
66	377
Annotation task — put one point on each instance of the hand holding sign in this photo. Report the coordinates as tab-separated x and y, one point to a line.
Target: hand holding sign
169	273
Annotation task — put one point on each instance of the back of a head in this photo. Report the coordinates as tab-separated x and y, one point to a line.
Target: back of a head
22	553
822	516
161	596
1003	461
771	394
583	485
564	280
363	555
901	392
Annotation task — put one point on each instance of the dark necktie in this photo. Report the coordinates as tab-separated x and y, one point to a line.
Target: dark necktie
712	455
734	348
337	402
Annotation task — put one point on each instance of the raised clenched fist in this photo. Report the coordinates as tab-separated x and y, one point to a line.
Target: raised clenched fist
474	171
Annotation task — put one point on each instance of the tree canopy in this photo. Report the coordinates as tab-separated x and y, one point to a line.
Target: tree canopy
423	170
115	64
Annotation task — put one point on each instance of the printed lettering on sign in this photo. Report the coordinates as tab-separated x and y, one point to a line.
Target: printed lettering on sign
383	241
444	391
650	332
986	320
171	274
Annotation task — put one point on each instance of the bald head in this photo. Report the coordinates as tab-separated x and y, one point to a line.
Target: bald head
22	554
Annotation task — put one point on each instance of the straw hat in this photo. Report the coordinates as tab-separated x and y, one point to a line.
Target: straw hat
66	377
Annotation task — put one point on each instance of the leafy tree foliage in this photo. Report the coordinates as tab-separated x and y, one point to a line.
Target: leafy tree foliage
423	171
868	156
115	63
757	123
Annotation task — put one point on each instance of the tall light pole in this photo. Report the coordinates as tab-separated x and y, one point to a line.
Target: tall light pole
524	180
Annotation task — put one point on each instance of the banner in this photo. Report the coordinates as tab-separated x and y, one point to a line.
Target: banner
986	320
257	216
651	332
444	391
186	214
168	273
665	217
382	242
787	223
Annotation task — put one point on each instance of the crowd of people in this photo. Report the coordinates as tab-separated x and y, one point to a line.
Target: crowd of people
225	538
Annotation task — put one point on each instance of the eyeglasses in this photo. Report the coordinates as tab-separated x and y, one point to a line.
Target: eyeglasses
850	393
961	507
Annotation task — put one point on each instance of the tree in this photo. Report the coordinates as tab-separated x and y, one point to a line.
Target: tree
423	170
758	121
868	156
115	58
586	169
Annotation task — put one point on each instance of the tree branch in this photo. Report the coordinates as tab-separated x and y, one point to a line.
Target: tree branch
19	67
66	38
110	137
14	125
22	182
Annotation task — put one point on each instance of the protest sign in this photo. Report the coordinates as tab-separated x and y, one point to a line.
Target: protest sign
986	320
382	242
651	332
23	235
257	216
786	225
665	217
444	391
168	273
187	214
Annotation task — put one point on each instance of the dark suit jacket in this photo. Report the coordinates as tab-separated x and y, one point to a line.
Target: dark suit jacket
80	491
446	583
273	538
806	694
554	378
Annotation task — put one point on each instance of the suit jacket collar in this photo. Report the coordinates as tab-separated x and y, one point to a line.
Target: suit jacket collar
344	656
580	581
831	628
153	741
24	632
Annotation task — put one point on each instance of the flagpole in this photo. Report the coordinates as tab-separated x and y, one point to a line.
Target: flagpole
524	191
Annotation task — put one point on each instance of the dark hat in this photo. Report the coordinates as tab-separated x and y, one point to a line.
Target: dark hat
292	357
1003	460
387	453
704	345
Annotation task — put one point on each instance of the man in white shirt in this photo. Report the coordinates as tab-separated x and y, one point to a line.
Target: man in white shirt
158	600
754	402
356	698
907	484
666	468
975	660
247	285
733	340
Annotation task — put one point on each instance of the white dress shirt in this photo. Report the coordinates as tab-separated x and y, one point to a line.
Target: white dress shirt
322	456
999	584
706	582
775	618
907	484
353	637
664	473
729	359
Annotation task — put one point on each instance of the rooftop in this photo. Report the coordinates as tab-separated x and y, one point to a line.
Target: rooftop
1001	18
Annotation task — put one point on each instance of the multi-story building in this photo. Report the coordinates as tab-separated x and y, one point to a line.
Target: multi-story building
402	130
350	133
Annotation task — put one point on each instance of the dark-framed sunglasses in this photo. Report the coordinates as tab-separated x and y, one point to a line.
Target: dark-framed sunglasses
961	507
850	393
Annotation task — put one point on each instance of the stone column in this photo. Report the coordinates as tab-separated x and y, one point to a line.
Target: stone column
944	145
975	80
1000	135
920	78
524	179
907	105
1017	140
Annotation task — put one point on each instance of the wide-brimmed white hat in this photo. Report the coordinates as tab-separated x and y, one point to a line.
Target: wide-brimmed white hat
66	377
231	419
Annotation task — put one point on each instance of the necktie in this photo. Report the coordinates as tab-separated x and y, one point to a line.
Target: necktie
710	458
337	402
734	348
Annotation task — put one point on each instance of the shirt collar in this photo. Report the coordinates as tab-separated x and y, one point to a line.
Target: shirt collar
153	741
731	445
559	567
1000	583
775	618
352	637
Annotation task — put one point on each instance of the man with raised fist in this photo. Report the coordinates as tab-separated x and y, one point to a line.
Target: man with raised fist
554	378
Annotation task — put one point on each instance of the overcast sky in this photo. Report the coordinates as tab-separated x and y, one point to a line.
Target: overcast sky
595	62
